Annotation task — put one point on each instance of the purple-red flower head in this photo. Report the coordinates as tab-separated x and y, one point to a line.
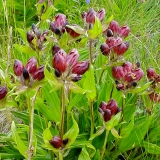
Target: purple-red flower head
3	92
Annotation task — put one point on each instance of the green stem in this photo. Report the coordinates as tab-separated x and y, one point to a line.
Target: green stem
92	119
62	112
90	51
100	79
60	155
104	145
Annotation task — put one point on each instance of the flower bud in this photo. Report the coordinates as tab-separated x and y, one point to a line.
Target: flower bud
127	67
138	64
80	68
103	106
107	115
57	73
57	31
76	78
105	49
129	77
34	27
60	20
154	97
134	84
3	92
52	27
65	141
122	48
18	67
118	72
55	49
25	74
31	65
124	31
39	74
30	37
151	74
112	106
43	35
120	86
138	73
100	14
90	17
114	26
59	61
72	33
109	33
56	142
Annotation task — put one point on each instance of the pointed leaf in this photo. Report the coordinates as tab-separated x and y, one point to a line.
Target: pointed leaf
84	155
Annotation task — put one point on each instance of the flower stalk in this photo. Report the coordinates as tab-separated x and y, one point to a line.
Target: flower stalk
92	119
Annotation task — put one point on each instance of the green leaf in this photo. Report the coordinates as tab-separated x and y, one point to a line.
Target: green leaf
22	33
96	30
147	101
125	132
84	155
64	40
20	145
76	89
151	148
46	15
89	84
113	121
77	29
115	133
72	133
25	49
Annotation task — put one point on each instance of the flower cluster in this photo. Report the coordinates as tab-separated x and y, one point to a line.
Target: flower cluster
30	73
38	36
59	26
155	79
108	109
127	75
114	45
3	92
57	142
66	66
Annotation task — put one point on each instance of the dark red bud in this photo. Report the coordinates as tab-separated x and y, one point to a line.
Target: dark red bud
105	49
138	73
134	84
57	73
127	67
90	17
113	42
31	65
114	26
138	64
52	26
151	74
154	97
120	86
25	74
72	33
103	105
56	142
113	106
65	141
30	37
59	61
129	77
38	74
100	14
55	49
122	48
80	68
107	115
124	31
118	72
76	78
3	92
60	20
109	33
18	67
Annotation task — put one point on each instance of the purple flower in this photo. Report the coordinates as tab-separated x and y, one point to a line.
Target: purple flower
88	1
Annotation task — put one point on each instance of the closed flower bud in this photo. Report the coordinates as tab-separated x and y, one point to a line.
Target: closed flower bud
114	26
113	106
103	106
118	72
56	142
134	84
80	68
30	37
124	31
154	97
72	33
31	65
76	78
151	74
105	49
122	48
100	14
107	115
90	17
127	67
120	86
60	20
59	61
38	74
25	74
18	67
65	141
57	73
3	92
57	31
52	26
109	33
129	77
113	42
55	49
33	27
138	74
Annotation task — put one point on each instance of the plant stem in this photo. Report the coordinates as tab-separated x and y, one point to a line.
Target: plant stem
100	79
104	145
60	155
90	51
62	112
92	119
8	49
30	147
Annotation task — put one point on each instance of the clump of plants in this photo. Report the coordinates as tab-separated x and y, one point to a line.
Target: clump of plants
77	94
